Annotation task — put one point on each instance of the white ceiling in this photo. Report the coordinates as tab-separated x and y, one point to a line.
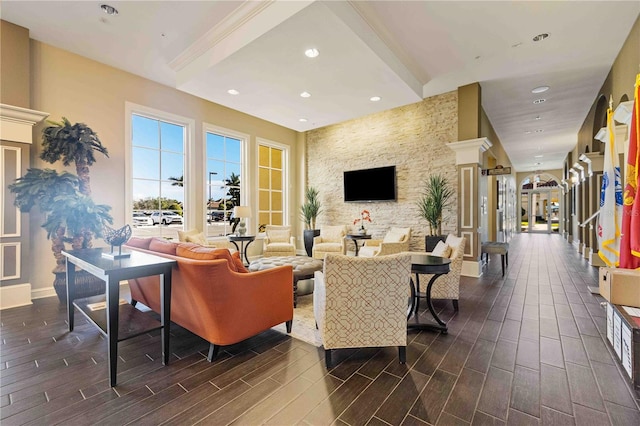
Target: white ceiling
401	51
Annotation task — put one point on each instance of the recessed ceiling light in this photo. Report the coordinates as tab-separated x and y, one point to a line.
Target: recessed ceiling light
528	132
541	37
539	101
538	117
109	10
375	98
540	89
302	120
305	94
538	164
539	130
538	156
311	53
233	92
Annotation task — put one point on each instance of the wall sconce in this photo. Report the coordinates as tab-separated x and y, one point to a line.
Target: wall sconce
579	167
575	179
587	161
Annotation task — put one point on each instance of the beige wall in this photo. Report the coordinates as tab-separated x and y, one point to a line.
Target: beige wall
412	137
14	65
65	84
469	106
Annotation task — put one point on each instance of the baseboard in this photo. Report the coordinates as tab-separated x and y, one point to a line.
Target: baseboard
43	292
471	268
594	259
12	296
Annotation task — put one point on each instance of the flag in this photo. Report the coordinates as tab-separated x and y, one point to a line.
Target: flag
630	240
610	217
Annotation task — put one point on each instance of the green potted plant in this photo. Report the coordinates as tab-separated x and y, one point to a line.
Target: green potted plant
70	215
308	213
436	197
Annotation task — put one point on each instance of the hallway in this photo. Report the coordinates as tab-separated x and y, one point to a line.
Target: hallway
526	349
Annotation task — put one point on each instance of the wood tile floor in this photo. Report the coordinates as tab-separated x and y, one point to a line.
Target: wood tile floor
526	349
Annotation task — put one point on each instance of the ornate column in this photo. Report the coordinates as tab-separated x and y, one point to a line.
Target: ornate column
16	133
468	161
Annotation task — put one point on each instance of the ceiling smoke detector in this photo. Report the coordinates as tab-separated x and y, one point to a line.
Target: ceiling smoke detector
541	37
109	10
539	101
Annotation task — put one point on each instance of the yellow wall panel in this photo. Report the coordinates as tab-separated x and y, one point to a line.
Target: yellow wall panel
276	180
263	200
276	158
263	156
263	178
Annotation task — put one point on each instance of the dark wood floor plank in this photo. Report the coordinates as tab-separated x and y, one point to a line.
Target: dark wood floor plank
586	416
465	394
400	401
494	399
551	352
622	416
330	409
434	397
518	418
504	355
482	419
596	350
573	351
614	388
556	418
456	357
365	405
447	419
525	391
528	354
480	356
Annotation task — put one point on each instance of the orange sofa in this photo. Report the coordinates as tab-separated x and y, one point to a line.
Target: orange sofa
213	295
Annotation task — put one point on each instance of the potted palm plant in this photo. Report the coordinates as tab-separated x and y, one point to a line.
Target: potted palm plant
70	215
309	212
436	197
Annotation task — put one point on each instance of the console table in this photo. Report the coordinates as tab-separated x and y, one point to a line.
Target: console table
107	318
426	264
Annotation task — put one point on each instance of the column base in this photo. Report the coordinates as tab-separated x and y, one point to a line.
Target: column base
471	268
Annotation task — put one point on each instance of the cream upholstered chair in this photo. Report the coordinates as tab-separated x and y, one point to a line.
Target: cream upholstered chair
278	241
395	241
330	240
362	302
448	286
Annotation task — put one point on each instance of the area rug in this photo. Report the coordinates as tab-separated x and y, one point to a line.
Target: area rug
304	324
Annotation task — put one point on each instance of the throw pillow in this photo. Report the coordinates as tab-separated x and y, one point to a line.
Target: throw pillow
163	246
196	238
138	242
279	236
197	252
392	237
237	260
441	249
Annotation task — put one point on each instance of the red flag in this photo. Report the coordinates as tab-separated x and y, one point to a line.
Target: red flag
630	241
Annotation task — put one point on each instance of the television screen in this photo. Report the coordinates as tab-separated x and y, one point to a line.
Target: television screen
377	184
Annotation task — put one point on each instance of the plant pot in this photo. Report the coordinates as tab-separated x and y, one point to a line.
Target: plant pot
86	285
308	239
430	241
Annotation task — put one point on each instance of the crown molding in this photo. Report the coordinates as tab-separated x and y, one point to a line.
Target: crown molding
17	123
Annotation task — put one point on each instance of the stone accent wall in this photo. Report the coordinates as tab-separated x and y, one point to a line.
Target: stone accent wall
412	137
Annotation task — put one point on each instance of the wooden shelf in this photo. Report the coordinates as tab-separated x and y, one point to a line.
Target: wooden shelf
132	322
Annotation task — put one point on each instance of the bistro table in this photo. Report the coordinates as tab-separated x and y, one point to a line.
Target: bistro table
248	239
106	316
357	237
422	263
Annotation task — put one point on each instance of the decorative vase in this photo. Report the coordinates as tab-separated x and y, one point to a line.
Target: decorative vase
362	231
308	240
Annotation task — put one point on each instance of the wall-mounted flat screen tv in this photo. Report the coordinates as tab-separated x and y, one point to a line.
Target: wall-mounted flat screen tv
378	184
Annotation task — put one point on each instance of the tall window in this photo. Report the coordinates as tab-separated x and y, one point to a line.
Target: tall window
271	184
224	174
157	178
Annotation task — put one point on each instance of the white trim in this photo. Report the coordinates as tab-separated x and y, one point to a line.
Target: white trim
463	204
4	184
471	268
244	139
41	293
18	264
189	162
12	296
470	236
286	184
470	151
17	123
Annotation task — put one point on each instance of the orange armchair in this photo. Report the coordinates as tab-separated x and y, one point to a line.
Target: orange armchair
218	304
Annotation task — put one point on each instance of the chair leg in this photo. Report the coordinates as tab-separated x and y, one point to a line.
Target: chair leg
506	257
134	302
402	354
213	351
455	304
289	324
327	358
502	265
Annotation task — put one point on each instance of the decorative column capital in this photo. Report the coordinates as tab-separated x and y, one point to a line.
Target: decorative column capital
18	122
470	151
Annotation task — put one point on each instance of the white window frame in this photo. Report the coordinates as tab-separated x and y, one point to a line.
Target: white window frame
189	162
244	159
286	185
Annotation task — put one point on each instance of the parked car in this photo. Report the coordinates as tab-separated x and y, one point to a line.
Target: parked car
216	216
165	217
140	218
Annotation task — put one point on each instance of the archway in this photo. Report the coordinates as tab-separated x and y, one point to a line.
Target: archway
541	204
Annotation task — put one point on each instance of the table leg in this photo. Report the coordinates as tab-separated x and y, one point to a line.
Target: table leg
429	304
165	315
245	248
71	292
113	296
357	248
440	325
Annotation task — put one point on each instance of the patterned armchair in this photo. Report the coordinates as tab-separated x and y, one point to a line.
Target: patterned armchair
362	302
278	241
395	241
448	286
330	240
